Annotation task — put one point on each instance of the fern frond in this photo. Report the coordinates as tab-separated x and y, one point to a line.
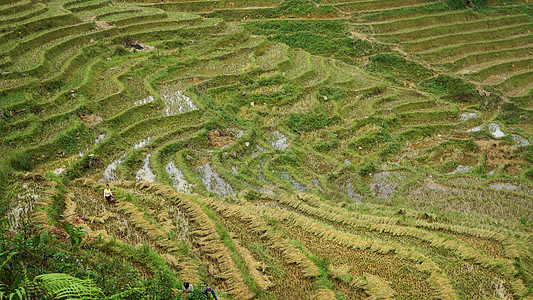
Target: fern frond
64	286
7	259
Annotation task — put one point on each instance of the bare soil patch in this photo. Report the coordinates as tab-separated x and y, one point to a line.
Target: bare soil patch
139	47
500	154
90	119
101	25
220	138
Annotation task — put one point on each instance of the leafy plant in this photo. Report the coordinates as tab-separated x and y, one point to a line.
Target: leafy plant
74	233
309	121
397	68
19	293
63	286
453	88
299	8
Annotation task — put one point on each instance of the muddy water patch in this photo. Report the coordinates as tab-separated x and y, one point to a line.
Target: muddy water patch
269	204
519	140
213	182
460	169
177	180
209	71
467	115
385	184
351	192
176	102
495	130
224	137
284	176
316	183
180	223
404	157
110	172
21	210
475	129
279	141
148	99
145	173
97	140
438	187
142	143
504	186
258	150
59	171
258	189
261	177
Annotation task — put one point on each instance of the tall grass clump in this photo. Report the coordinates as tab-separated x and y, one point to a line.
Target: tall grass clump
452	88
397	68
462	4
300	8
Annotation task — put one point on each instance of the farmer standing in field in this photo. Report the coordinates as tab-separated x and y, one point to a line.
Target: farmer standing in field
107	194
187	289
208	290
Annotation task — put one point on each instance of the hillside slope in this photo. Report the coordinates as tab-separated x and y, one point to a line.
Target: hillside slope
279	149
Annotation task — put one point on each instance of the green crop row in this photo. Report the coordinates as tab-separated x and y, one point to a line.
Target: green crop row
405	12
488	57
453	52
91	5
425	21
517	83
16	7
445	29
466	37
502	68
37	10
375	5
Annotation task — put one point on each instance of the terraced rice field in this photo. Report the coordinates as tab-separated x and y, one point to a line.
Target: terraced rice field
491	47
280	149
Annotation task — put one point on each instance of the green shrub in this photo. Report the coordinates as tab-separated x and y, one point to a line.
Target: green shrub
456	4
309	121
57	207
330	142
397	68
529	174
287	158
453	88
300	8
389	149
367	168
318	37
462	4
331	28
316	43
22	161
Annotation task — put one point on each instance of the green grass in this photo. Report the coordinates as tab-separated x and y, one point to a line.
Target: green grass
465	25
425	21
320	37
398	69
335	121
448	39
453	52
452	88
489	57
502	68
375	5
405	12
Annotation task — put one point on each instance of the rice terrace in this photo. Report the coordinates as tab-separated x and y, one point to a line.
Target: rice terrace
273	149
